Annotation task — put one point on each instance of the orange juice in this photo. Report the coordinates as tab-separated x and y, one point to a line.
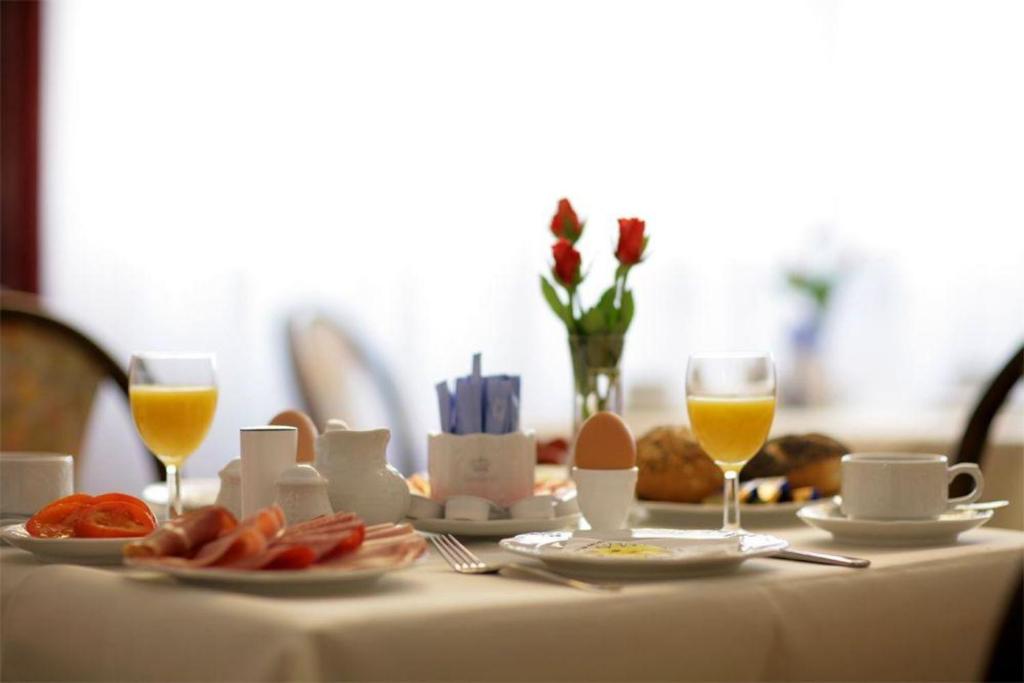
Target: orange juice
171	420
731	430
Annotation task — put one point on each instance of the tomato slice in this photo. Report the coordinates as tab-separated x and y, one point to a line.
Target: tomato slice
114	519
57	520
117	496
124	498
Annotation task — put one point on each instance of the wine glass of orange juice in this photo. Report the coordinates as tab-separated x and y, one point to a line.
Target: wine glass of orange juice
731	402
173	398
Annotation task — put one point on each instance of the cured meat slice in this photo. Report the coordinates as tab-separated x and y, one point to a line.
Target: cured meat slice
302	551
388	530
393	545
325	524
251	538
182	536
280	556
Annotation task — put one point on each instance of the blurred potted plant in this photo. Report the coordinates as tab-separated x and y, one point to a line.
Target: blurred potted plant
596	334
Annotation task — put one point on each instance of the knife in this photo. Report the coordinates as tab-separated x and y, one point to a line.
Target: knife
821	558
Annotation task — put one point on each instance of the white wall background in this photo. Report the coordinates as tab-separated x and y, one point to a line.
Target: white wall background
211	165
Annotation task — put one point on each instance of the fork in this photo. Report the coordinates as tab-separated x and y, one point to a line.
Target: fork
462	560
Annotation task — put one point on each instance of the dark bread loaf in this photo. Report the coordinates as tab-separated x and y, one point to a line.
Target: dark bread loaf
674	468
804	459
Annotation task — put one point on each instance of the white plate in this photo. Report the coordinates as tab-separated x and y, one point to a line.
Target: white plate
942	531
268	578
709	515
687	552
68	550
494	527
195	493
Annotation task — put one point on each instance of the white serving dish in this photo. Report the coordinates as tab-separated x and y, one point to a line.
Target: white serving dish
945	530
688	552
235	578
66	550
494	527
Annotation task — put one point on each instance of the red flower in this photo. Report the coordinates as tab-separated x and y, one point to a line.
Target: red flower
567	262
565	223
631	241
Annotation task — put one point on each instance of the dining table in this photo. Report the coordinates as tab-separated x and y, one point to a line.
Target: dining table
917	613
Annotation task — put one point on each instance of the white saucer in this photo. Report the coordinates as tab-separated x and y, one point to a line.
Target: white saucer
686	552
942	531
709	515
493	527
66	550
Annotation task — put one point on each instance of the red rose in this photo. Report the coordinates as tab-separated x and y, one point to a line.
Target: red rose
567	262
631	241
565	223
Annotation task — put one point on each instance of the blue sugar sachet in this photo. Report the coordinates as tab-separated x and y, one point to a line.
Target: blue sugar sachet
514	422
499	396
444	404
480	404
469	405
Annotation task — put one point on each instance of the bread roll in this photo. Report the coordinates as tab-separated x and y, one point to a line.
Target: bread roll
674	468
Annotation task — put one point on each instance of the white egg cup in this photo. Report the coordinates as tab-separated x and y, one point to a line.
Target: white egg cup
605	496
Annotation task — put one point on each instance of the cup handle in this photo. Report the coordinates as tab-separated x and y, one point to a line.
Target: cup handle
974	472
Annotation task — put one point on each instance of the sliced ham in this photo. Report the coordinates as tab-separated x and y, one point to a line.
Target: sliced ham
300	551
182	536
280	556
392	545
261	542
388	530
251	538
326	521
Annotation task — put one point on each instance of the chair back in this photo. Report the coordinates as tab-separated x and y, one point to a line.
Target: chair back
972	444
339	377
49	375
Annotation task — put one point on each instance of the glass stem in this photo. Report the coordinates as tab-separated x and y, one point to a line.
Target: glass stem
731	500
174	507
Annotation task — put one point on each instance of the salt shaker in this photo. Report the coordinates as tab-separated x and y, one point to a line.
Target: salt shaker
266	453
302	494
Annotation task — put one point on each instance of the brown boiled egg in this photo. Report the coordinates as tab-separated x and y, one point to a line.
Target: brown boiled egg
605	443
306	451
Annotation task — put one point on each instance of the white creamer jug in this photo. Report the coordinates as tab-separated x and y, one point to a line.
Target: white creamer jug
359	478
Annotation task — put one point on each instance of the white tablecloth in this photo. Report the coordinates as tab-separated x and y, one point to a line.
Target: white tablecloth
916	614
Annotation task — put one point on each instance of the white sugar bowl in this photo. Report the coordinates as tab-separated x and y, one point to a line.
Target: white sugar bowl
302	494
230	493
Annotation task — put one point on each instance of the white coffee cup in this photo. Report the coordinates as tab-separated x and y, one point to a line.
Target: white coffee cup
902	485
28	481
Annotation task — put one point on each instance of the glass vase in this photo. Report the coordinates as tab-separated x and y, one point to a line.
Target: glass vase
597	382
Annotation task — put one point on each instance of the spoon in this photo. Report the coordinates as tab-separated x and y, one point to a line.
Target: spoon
988	505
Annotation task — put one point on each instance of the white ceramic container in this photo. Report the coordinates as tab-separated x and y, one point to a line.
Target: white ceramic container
470	509
28	481
302	494
902	485
266	452
498	467
421	507
230	493
534	507
359	478
605	496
